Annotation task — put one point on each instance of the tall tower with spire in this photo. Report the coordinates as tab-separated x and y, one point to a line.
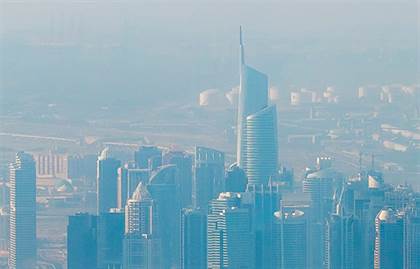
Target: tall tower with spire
257	147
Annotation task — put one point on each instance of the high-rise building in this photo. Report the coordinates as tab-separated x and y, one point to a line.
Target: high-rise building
257	147
128	179
147	156
209	169
263	201
235	180
183	163
107	182
163	189
291	235
389	240
141	245
110	235
82	241
230	241
23	249
412	242
261	162
340	247
193	239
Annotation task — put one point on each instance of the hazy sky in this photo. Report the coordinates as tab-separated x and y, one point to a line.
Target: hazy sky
106	52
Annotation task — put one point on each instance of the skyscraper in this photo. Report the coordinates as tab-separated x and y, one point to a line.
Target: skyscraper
389	228
235	180
183	163
110	235
141	245
291	235
257	146
147	155
209	169
412	242
193	239
261	159
107	178
128	179
230	241
82	241
164	192
23	250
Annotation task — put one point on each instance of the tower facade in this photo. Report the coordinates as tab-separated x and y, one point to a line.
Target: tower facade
82	241
257	146
389	227
141	245
291	234
230	241
208	176
23	250
193	239
107	182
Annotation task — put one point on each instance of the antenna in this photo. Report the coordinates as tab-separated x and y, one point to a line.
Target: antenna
241	45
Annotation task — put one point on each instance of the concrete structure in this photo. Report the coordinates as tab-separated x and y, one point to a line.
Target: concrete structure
193	239
209	166
82	241
291	234
229	234
23	247
141	245
107	178
389	227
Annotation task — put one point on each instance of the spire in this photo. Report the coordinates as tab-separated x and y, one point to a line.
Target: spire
241	45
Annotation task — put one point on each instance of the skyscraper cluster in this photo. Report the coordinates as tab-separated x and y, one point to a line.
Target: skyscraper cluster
174	209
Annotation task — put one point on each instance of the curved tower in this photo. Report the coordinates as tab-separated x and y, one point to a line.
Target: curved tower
253	96
261	146
257	125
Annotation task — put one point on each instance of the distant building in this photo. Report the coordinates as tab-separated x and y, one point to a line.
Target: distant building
193	239
107	178
82	241
412	242
148	155
23	247
82	167
261	161
230	241
263	201
163	189
183	163
235	180
340	242
209	166
291	234
389	240
128	179
142	244
110	235
51	165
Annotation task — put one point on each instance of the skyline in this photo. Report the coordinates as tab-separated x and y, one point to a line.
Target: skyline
139	135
